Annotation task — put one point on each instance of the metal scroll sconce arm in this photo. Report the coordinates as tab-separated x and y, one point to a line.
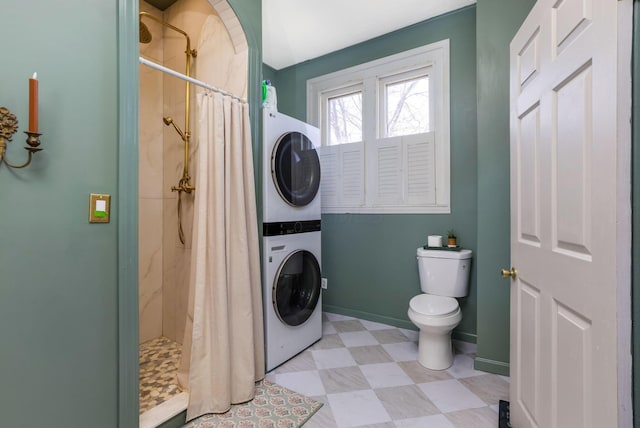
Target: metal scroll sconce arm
8	127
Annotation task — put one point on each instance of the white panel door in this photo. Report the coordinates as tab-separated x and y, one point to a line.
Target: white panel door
570	223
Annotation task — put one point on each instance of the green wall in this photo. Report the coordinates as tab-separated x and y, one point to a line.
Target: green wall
369	260
497	23
249	12
58	273
68	289
269	73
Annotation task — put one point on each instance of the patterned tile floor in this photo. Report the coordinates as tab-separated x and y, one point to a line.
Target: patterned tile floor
367	374
159	359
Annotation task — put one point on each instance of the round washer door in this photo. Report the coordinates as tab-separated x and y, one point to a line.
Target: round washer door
296	288
295	168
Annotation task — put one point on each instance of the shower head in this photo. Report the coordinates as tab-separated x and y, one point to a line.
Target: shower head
169	121
145	34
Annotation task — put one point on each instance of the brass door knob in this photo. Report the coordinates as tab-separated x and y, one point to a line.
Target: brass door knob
506	273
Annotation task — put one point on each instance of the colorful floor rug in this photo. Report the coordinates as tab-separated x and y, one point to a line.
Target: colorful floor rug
274	406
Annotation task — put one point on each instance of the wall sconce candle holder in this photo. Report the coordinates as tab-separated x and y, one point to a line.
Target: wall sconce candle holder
8	127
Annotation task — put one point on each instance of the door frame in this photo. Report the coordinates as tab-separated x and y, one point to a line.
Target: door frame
625	225
127	218
127	197
635	172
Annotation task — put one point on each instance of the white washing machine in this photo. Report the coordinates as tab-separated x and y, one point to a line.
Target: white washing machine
292	291
291	178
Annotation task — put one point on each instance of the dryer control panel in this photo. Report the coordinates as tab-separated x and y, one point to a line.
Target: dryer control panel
290	227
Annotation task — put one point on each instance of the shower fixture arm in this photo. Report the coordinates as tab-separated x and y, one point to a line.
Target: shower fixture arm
169	121
187	139
189	54
189	51
184	185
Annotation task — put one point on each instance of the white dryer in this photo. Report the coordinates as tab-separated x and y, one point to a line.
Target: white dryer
292	297
291	177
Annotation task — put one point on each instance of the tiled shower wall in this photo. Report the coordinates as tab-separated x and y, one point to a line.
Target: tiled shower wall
150	164
164	282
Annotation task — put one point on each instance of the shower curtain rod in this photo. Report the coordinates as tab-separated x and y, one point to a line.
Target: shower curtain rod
190	79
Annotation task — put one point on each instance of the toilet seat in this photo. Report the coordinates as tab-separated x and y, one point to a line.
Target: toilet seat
434	306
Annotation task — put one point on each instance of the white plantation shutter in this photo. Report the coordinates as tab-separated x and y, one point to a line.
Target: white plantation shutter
398	173
329	177
402	172
384	164
352	156
419	174
342	182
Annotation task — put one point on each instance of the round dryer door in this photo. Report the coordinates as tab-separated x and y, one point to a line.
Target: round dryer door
296	288
295	168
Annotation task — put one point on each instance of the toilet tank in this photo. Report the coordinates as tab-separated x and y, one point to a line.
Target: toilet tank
444	273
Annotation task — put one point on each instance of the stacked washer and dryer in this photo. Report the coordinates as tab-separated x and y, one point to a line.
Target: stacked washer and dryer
291	237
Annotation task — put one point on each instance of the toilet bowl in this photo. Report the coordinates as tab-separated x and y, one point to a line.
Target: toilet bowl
444	275
436	317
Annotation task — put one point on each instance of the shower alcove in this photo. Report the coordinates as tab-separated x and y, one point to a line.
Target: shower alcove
164	261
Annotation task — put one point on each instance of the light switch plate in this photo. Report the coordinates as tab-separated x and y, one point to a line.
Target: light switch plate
99	208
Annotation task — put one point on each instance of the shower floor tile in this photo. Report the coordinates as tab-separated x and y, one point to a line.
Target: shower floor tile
159	360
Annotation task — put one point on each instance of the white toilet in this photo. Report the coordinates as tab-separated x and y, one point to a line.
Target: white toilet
444	275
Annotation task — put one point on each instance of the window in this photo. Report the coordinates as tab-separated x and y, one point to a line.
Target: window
385	133
406	106
344	116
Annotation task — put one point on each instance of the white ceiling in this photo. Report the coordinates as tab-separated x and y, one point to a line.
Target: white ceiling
294	31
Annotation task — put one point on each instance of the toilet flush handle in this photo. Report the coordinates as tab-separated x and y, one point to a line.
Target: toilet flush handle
506	273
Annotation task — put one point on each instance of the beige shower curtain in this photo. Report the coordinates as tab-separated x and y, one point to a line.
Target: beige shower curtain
223	351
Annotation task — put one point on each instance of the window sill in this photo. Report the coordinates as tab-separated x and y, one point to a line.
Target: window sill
388	210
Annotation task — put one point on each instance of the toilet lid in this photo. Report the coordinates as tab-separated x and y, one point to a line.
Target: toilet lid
431	305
